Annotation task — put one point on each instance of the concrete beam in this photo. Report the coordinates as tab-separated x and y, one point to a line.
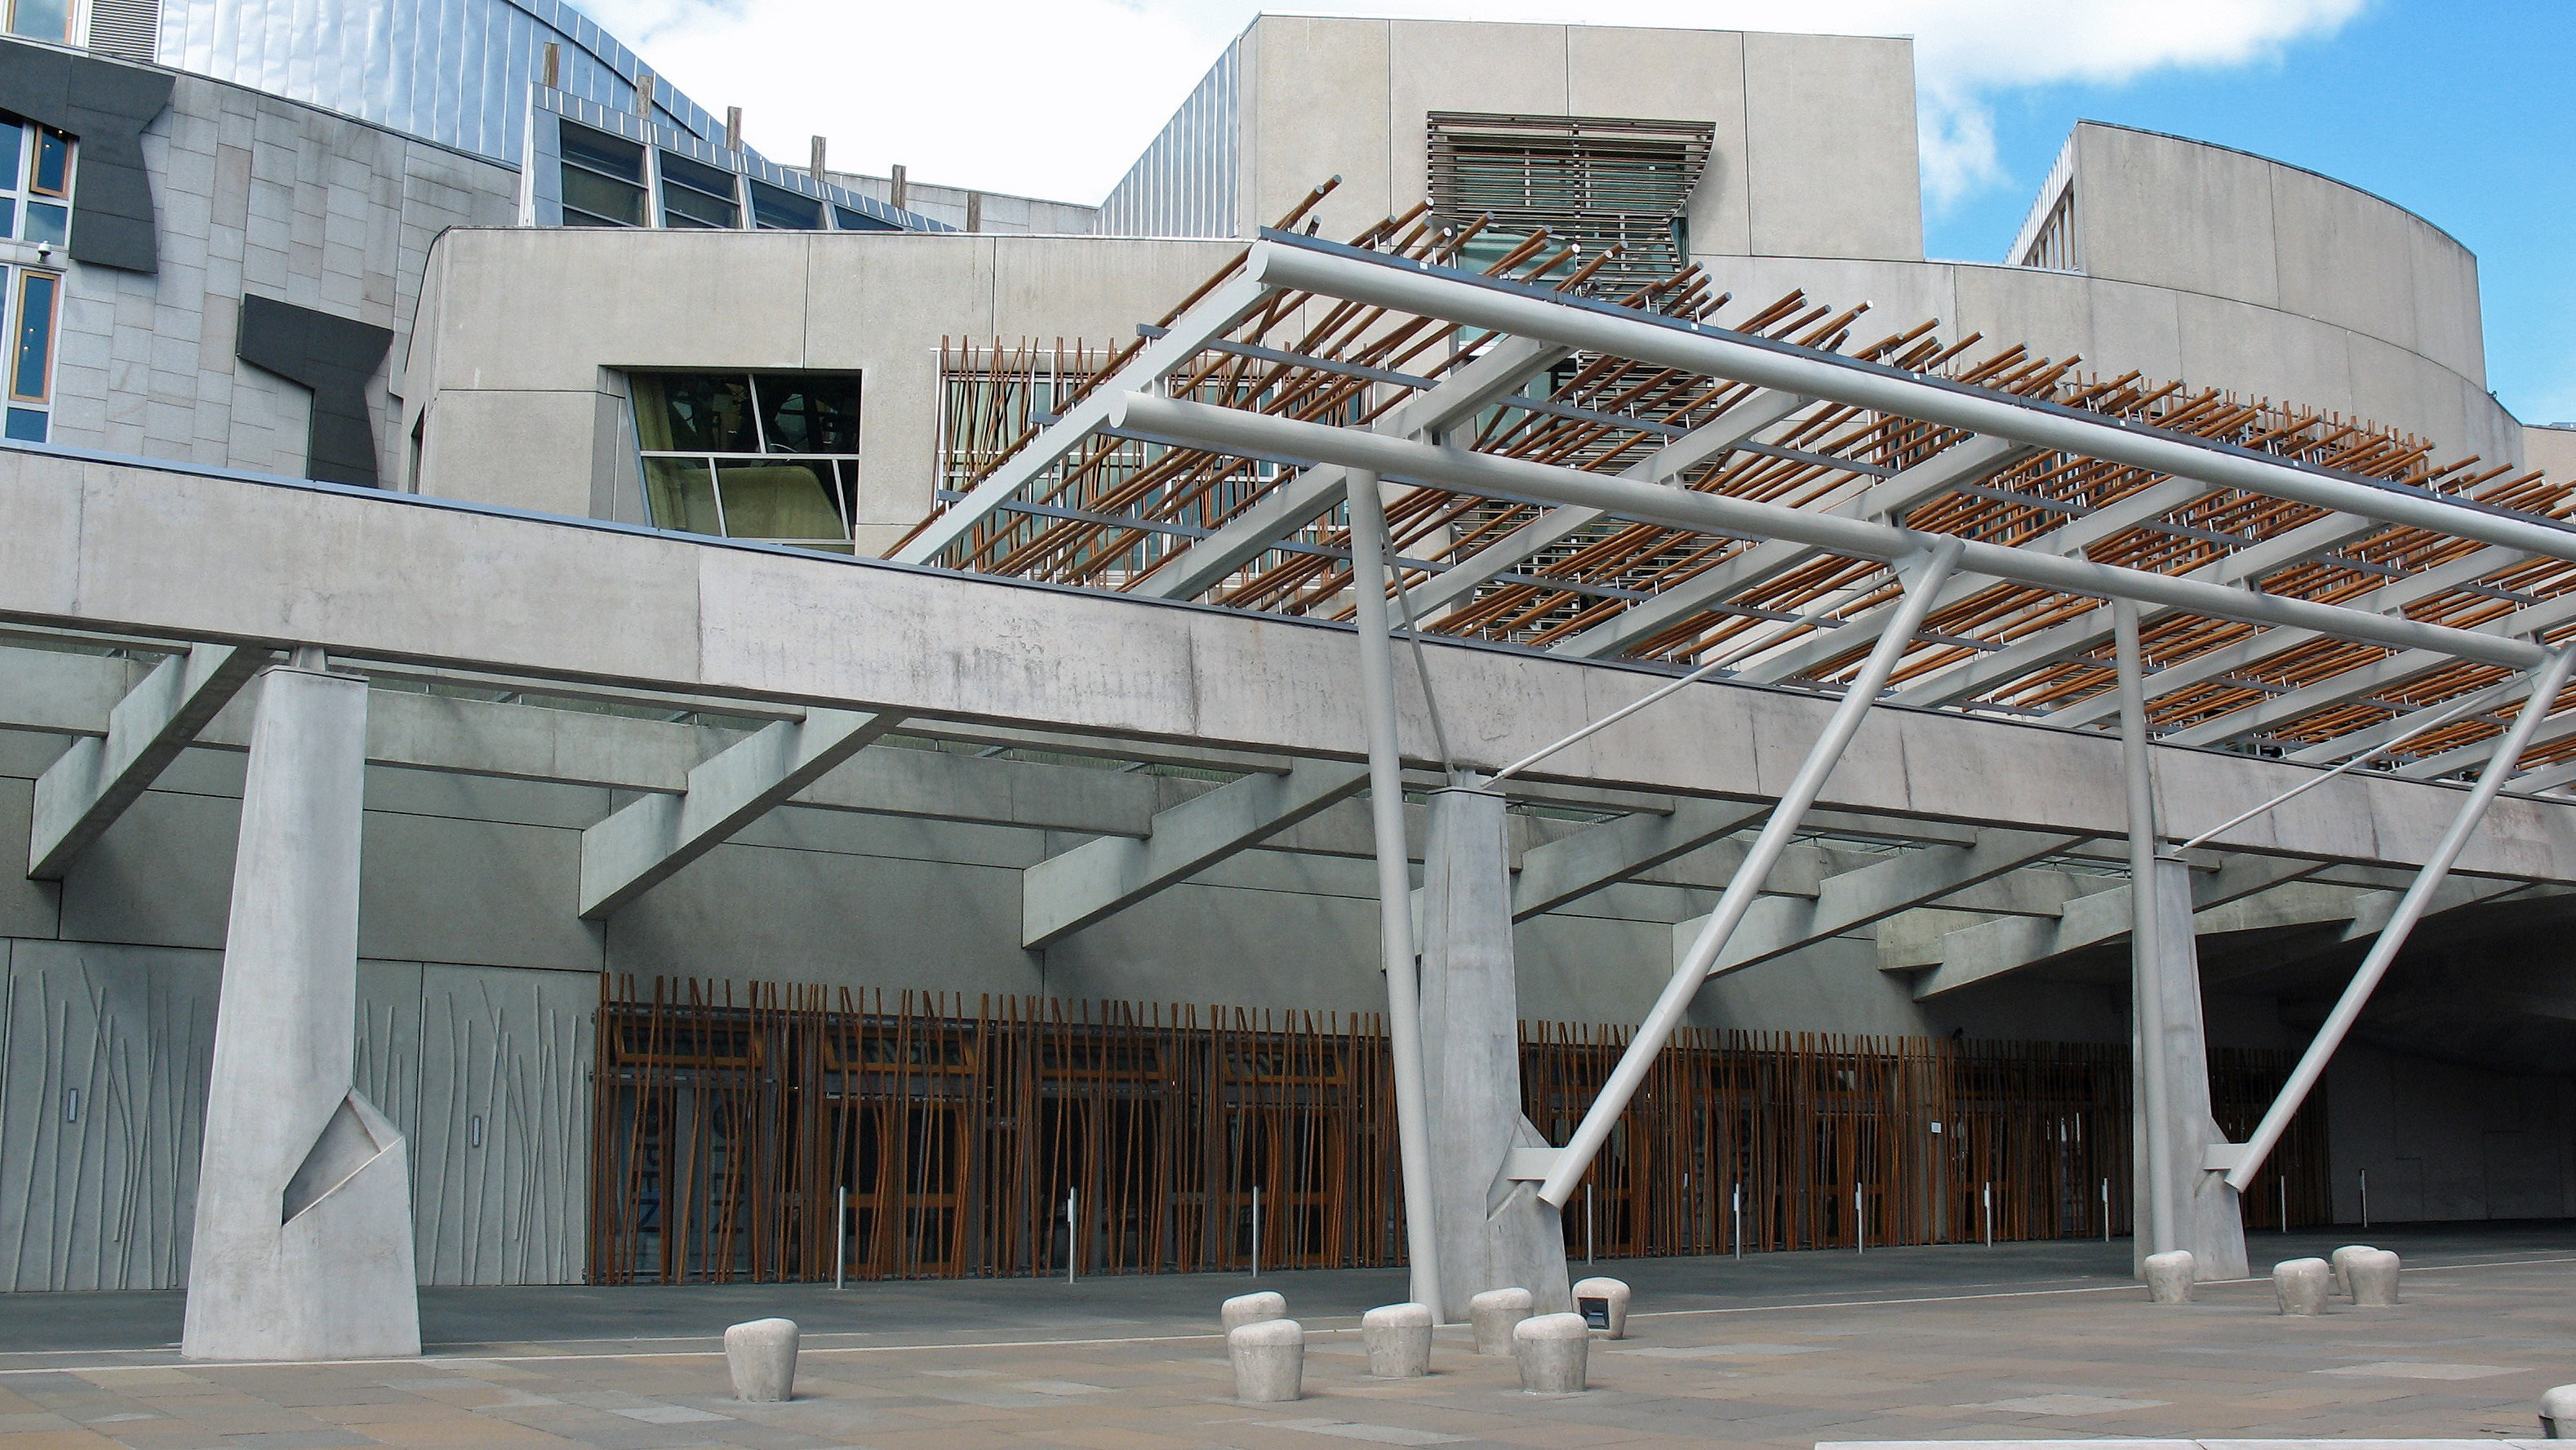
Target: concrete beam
1779	925
1575	866
81	794
649	839
1998	948
1065	893
85	544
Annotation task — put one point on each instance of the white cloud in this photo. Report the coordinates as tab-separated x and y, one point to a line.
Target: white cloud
1055	97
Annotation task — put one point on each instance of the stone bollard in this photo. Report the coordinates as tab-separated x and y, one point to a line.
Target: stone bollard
2170	1275
2342	1261
1245	1309
1398	1338
761	1356
2374	1278
1269	1360
1493	1313
2302	1285
1554	1351
2558	1414
1603	1303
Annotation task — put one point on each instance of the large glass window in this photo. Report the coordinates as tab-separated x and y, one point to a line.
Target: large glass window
603	179
33	298
778	209
35	182
695	194
766	456
41	19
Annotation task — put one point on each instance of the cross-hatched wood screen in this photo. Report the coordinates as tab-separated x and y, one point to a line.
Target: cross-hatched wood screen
1600	182
735	1123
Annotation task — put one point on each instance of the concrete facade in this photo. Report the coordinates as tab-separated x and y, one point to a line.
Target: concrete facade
542	661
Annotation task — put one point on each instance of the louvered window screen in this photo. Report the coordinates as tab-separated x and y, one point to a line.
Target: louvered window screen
126	29
1599	181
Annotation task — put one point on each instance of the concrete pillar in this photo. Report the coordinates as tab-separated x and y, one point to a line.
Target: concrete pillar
761	1358
1245	1309
2302	1285
2204	1215
303	1245
1269	1358
1494	1232
1554	1351
2170	1277
1398	1340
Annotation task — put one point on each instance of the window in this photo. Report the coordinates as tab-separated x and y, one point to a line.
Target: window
695	194
35	182
851	219
31	354
1600	181
603	179
777	208
766	456
41	19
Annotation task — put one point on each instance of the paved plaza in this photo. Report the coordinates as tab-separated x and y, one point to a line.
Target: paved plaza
2033	1341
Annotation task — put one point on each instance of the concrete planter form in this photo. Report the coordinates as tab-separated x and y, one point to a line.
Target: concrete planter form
1269	1360
1245	1309
761	1356
1493	1313
1555	1352
2303	1285
1398	1339
2170	1276
1613	1295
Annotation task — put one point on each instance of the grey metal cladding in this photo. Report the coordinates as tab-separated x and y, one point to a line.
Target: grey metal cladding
451	71
106	106
337	358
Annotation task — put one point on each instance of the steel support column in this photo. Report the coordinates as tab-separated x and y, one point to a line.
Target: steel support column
1394	884
1566	1166
2153	1128
2245	1160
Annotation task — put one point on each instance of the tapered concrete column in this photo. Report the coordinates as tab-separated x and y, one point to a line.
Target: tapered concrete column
303	1246
2203	1212
1495	1232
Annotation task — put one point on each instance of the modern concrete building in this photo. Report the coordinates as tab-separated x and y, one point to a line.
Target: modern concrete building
733	591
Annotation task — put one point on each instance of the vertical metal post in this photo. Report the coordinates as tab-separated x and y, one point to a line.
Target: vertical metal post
2146	961
841	1237
1989	1197
1860	1223
2106	1210
2284	1182
2365	1196
1700	963
1394	886
1737	1214
1256	1230
2551	678
1587	1224
1072	1236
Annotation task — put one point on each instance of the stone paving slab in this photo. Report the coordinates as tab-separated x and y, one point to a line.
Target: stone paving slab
1998	1348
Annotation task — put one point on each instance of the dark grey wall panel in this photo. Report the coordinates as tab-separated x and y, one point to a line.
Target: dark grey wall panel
106	106
337	358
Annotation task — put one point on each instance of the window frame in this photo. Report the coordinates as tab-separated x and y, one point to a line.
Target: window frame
842	468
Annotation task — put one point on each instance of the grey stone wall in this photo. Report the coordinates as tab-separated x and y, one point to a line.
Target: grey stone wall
257	194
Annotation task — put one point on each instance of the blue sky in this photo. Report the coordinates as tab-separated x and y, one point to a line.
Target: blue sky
2460	112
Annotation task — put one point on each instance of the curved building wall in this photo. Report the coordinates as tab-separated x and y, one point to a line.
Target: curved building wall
451	71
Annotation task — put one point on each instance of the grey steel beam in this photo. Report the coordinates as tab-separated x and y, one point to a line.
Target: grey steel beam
1702	958
83	792
1666	342
1066	892
2369	679
1969	679
647	840
1998	948
1299	499
1889	498
1234	429
1575	866
1667	463
1211	316
2392	938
